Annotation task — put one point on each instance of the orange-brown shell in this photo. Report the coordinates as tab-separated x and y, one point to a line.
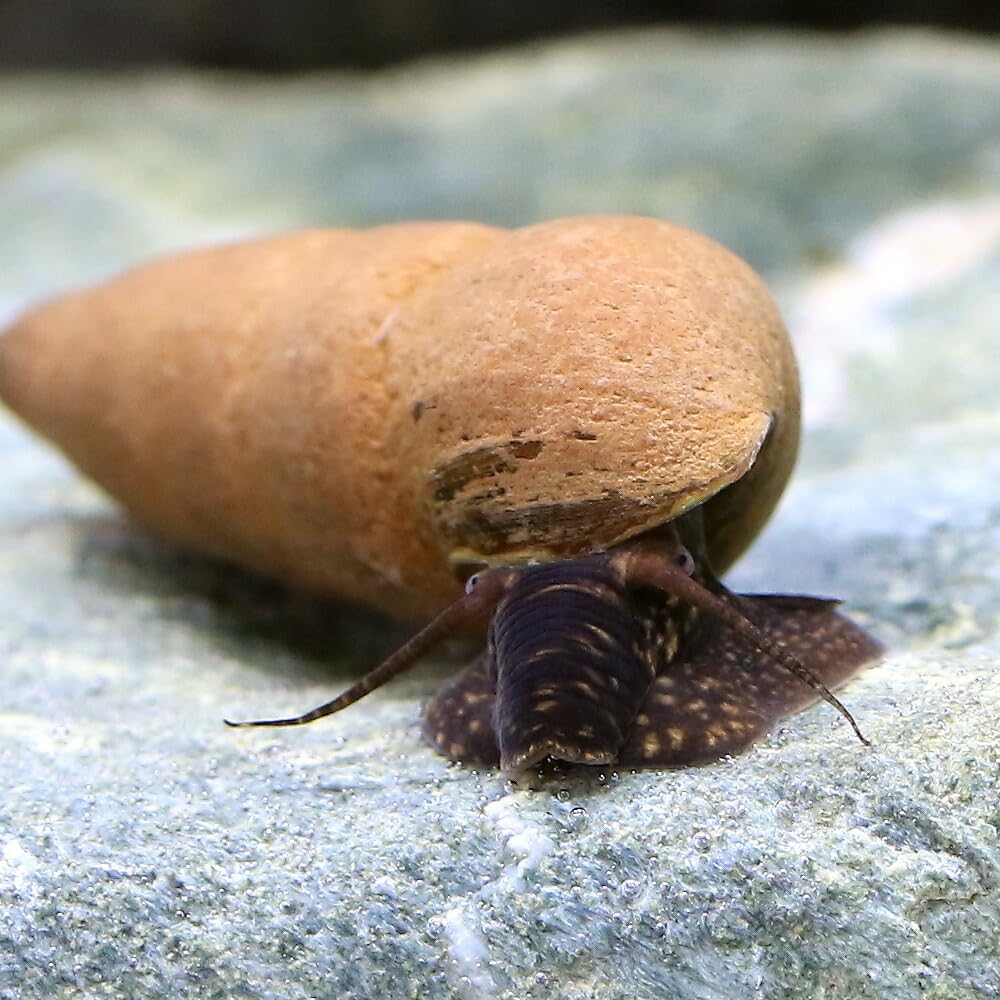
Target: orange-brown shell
355	411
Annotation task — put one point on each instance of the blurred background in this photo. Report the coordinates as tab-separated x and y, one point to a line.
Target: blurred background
313	34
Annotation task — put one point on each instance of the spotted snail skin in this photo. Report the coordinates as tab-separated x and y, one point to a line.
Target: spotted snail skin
596	414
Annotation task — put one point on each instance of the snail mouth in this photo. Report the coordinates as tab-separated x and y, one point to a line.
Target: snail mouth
552	753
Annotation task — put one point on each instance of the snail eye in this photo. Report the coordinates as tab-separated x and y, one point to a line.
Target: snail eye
472	583
685	561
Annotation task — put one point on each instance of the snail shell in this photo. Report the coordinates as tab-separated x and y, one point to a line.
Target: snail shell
361	412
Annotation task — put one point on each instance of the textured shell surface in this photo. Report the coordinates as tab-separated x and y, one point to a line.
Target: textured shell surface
356	412
625	371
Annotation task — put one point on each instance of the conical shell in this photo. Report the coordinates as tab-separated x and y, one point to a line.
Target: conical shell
356	412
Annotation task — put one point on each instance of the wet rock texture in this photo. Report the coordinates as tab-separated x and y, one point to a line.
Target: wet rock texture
146	850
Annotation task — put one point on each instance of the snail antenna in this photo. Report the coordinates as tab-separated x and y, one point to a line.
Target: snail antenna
482	592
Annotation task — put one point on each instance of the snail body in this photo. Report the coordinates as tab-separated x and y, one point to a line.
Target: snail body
374	414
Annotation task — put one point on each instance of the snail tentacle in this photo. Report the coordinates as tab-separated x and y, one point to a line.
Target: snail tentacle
482	593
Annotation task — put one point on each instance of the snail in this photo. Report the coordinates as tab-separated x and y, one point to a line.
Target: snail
587	419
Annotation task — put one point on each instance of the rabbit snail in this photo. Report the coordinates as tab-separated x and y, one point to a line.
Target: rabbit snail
588	419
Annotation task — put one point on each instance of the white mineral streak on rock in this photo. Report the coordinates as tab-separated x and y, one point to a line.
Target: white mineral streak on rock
17	866
525	840
528	843
849	309
469	953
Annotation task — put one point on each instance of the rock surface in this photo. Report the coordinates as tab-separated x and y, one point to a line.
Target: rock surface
147	851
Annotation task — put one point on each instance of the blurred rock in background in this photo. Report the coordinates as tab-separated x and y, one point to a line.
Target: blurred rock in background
306	34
